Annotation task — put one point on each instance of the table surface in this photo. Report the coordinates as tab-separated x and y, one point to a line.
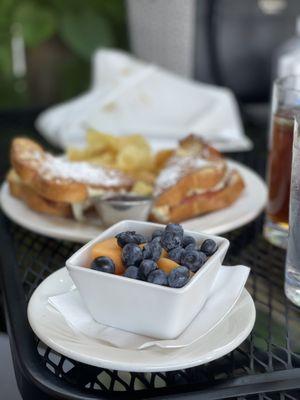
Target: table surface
265	366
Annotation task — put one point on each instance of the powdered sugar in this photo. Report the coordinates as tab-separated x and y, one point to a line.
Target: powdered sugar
178	167
83	172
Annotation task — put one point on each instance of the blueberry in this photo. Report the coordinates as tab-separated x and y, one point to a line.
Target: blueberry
139	238
146	267
124	238
187	240
203	257
132	254
152	251
157	233
178	277
103	264
209	247
193	260
132	272
157	239
176	254
190	247
175	228
158	277
170	240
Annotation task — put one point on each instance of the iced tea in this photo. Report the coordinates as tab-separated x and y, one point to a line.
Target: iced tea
280	161
285	107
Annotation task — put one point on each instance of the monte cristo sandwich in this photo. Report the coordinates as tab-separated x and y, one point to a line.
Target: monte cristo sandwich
56	186
195	180
188	181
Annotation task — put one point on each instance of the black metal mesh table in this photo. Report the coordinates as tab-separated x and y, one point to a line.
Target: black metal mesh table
268	360
265	366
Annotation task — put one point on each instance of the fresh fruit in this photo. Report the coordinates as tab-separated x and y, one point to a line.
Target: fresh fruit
132	254
175	228
109	248
192	260
209	247
103	264
168	258
156	239
152	251
166	265
190	247
203	257
132	272
146	267
158	277
157	233
140	238
179	277
176	254
124	238
170	240
188	240
164	254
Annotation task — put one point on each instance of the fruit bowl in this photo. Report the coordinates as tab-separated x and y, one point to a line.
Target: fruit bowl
137	306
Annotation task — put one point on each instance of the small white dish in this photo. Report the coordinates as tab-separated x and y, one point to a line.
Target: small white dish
224	294
141	307
244	210
52	329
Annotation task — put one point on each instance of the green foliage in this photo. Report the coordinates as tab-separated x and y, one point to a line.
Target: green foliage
38	22
85	32
82	26
5	58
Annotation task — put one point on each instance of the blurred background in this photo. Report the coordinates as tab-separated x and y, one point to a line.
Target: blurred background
46	46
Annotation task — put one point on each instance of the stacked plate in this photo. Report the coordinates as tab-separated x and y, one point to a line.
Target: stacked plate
223	324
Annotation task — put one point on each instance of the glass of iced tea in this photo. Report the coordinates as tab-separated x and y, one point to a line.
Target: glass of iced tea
285	107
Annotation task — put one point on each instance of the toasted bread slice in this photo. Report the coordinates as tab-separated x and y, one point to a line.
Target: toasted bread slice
197	204
195	180
194	165
35	201
57	179
202	179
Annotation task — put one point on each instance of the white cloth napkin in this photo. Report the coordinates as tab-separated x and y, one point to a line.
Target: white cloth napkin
129	96
226	290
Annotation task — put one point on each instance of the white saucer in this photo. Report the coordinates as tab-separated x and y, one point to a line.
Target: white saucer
244	210
52	329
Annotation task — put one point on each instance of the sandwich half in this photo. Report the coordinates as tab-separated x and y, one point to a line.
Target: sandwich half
56	186
195	180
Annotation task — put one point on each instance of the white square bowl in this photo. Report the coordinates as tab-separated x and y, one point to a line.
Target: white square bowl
137	306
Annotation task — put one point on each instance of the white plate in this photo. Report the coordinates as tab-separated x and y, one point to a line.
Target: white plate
244	210
52	329
227	289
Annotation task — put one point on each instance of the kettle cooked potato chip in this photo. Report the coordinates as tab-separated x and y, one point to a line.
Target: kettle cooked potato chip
131	154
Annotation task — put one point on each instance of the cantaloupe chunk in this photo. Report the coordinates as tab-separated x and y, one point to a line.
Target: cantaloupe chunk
110	248
166	264
164	253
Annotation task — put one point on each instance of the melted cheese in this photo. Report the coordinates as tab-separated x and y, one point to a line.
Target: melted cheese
161	213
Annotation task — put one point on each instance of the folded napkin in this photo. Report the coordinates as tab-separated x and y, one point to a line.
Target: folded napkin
225	292
130	96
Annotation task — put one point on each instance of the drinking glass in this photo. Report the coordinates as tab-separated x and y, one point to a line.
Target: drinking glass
285	106
292	265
